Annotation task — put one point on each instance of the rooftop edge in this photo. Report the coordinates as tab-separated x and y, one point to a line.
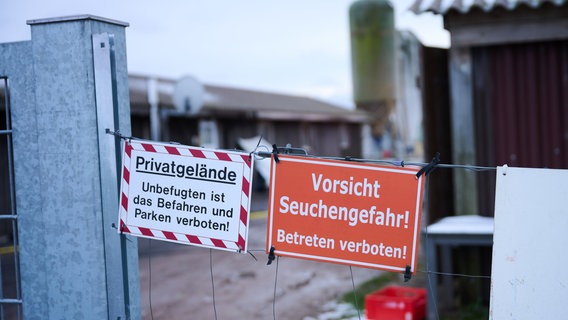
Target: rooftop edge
76	18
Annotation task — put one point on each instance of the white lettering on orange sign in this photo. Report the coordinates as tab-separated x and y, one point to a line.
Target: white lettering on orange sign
353	216
350	187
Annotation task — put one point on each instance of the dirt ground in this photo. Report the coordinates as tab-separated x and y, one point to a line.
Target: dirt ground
175	282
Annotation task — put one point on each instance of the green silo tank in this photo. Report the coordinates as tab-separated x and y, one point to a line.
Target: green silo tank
373	40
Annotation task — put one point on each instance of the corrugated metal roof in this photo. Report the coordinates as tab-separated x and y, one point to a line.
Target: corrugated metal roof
464	6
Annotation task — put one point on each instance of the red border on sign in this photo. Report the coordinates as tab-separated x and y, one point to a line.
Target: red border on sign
240	245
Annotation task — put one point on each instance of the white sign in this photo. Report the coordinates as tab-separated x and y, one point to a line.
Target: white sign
186	194
528	280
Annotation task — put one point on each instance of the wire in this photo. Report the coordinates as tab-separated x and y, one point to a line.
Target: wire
400	163
428	272
455	274
255	148
355	293
212	282
274	297
432	295
150	277
429	279
467	167
267	154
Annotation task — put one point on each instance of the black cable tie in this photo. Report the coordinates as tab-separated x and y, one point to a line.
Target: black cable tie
407	274
275	153
429	167
271	256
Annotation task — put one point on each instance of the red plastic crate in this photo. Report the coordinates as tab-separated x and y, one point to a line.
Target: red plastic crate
394	303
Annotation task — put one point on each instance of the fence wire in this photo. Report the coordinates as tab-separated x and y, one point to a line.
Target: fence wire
399	163
427	271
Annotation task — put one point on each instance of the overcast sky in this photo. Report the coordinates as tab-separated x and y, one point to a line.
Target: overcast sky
299	47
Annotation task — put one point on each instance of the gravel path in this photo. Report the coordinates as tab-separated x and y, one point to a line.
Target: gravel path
177	280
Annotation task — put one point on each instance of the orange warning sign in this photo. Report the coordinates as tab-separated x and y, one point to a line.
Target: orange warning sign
345	212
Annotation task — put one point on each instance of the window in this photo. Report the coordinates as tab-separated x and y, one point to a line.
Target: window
10	293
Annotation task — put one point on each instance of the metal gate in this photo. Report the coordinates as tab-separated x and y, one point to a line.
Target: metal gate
10	293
